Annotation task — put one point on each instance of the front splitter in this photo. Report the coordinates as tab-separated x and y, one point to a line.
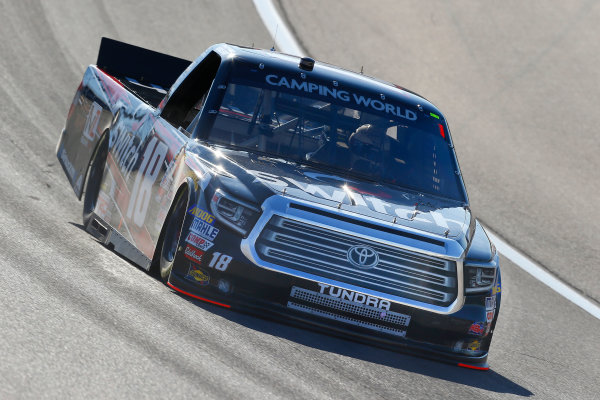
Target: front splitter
279	313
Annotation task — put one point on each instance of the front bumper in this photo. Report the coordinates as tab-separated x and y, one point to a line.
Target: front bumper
443	337
459	334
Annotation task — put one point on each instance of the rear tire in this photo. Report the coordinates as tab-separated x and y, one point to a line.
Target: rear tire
94	179
172	235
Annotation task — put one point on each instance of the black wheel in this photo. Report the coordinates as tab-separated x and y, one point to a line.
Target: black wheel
94	178
172	234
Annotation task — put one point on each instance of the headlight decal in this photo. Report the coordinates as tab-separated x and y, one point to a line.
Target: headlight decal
479	278
233	212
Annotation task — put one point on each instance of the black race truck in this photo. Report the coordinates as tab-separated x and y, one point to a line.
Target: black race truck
286	187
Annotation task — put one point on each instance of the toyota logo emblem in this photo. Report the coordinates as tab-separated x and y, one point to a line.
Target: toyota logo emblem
363	257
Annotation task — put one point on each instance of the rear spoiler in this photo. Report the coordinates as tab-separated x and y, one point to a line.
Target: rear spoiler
145	66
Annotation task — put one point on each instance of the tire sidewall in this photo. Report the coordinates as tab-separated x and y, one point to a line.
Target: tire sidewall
172	234
94	180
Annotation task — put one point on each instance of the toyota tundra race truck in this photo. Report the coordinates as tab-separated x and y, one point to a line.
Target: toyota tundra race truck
285	187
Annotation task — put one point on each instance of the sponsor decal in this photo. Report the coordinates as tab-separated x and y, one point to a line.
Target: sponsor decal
91	122
490	303
203	229
342	95
193	254
330	191
497	289
198	276
354	297
125	151
220	261
198	241
478	328
124	119
152	162
126	144
474	345
490	316
202	215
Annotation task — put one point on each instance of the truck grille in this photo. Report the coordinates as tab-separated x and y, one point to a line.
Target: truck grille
324	252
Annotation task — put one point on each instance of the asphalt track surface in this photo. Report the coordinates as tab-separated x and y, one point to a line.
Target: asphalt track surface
520	85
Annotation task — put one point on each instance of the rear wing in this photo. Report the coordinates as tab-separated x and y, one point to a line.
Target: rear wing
145	66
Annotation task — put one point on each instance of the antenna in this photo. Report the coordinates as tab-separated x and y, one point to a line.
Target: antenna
361	69
275	37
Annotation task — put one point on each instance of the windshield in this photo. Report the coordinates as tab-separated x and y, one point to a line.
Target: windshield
361	135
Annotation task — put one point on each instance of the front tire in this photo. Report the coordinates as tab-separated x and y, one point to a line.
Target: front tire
94	179
172	235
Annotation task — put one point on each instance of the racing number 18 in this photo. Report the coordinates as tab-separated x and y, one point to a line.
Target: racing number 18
220	261
142	188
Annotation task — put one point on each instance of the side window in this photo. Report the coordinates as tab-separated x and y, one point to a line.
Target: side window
187	100
191	119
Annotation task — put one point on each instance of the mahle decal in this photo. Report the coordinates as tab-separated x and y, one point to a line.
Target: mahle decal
203	229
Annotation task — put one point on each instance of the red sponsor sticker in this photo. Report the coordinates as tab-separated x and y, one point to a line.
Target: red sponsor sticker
193	254
490	316
198	241
477	329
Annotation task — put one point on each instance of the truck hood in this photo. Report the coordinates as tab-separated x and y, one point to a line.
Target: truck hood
420	211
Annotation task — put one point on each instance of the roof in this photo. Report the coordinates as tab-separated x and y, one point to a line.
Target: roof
323	71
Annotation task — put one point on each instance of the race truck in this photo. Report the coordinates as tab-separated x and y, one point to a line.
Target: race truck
288	188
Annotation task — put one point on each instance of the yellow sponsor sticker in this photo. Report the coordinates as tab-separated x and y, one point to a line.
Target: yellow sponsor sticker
197	275
202	215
